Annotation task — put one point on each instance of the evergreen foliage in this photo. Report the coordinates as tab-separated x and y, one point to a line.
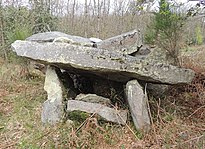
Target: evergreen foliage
166	30
43	19
16	24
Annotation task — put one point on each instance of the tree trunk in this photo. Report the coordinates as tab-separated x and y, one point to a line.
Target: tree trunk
2	44
73	15
86	18
98	19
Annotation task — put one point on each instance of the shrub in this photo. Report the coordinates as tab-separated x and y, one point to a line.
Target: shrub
166	30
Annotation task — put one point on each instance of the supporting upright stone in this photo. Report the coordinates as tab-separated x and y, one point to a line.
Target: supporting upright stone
137	104
52	108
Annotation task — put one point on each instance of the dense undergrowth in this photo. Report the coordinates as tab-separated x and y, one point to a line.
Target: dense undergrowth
178	120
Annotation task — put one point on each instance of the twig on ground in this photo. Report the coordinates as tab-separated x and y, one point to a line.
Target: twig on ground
150	114
6	145
192	139
128	126
196	111
84	122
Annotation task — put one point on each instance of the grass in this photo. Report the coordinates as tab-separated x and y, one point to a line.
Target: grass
178	119
194	58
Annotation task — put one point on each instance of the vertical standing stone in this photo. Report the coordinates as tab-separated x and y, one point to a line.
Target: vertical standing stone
53	107
137	104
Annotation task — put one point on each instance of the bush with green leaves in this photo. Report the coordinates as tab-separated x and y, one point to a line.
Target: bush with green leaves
166	30
20	22
16	23
43	19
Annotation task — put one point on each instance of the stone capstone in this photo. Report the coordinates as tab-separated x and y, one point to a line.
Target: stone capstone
110	65
137	101
126	43
58	37
109	114
52	111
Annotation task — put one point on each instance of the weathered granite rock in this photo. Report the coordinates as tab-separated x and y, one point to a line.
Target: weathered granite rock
93	98
57	36
52	108
144	50
109	114
137	101
108	64
157	90
95	40
159	55
126	43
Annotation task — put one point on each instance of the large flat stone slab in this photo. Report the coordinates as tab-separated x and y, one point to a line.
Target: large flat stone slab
93	98
109	114
51	36
110	65
126	43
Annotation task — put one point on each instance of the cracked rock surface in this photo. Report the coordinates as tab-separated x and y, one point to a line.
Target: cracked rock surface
102	62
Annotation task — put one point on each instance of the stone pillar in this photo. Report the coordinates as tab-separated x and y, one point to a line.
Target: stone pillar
137	101
53	107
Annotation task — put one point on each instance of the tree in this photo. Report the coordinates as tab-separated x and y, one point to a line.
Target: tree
42	16
166	30
2	36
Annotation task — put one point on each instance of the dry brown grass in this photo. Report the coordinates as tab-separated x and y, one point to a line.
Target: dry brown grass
194	59
178	119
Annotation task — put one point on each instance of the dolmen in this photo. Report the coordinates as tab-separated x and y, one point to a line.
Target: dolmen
82	72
